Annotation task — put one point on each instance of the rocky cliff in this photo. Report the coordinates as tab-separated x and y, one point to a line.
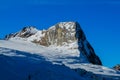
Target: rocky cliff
61	34
117	67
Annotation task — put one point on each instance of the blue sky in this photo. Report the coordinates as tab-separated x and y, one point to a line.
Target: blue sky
100	20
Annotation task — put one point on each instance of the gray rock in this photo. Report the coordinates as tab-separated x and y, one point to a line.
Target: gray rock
117	67
61	34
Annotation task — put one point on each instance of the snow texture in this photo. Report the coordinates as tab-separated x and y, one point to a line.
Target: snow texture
23	60
20	59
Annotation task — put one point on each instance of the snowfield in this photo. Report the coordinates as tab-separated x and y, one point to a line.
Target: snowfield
23	60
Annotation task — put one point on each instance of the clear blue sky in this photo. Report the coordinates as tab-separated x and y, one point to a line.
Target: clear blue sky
100	20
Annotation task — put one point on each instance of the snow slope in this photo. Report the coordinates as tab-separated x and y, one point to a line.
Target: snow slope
17	65
21	60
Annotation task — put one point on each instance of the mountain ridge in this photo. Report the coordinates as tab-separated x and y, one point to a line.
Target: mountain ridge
66	54
61	34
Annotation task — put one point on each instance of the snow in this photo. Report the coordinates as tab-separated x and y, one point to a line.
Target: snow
32	64
31	30
52	27
95	69
36	62
67	25
31	67
37	36
20	55
49	60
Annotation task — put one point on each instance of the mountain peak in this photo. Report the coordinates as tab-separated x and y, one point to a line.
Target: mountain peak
29	28
24	33
67	35
62	33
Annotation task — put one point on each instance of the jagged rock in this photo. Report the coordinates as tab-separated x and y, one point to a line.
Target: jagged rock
117	67
61	34
24	33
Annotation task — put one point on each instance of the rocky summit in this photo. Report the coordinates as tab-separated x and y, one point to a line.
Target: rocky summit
62	34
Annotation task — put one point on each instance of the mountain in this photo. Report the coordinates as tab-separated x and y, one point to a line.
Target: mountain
67	34
60	53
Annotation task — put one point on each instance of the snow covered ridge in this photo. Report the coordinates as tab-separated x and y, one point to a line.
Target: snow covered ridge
60	53
18	65
65	35
24	33
23	60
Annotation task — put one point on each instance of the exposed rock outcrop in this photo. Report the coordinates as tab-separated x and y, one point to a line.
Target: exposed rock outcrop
24	33
61	34
117	67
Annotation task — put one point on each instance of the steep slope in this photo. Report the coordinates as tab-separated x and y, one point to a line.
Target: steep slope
36	62
18	65
68	36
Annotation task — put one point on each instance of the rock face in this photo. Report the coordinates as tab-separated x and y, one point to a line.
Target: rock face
61	34
24	33
117	67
